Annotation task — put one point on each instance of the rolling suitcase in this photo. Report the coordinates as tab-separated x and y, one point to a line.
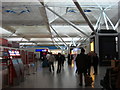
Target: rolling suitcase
88	80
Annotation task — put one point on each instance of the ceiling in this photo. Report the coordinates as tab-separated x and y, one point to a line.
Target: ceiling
58	22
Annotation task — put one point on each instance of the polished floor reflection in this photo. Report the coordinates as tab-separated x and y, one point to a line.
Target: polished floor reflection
66	79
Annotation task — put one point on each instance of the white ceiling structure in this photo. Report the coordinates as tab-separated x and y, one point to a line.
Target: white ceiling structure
57	22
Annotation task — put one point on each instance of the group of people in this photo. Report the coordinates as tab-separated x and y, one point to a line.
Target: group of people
84	63
51	58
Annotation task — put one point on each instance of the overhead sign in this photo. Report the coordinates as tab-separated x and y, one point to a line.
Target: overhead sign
41	50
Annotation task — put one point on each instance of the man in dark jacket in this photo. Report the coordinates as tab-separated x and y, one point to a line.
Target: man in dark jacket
95	63
89	63
59	58
63	59
70	58
81	63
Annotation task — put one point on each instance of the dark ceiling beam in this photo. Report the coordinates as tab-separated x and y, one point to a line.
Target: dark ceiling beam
83	14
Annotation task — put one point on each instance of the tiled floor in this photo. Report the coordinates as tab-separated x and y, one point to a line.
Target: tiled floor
66	79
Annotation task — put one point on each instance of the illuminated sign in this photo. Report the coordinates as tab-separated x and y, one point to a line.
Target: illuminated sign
14	53
92	46
11	52
56	51
76	49
17	53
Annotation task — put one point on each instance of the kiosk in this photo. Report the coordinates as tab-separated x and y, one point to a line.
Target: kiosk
14	69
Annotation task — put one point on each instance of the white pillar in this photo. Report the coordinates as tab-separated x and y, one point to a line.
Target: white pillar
68	49
97	44
119	45
119	33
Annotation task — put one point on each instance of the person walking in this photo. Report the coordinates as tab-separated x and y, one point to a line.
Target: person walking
59	58
70	58
51	60
63	60
89	63
95	63
82	62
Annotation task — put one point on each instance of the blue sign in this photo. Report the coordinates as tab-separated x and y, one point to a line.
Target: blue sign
40	50
87	11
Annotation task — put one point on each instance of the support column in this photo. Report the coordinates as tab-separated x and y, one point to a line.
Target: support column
97	44
119	45
118	29
68	49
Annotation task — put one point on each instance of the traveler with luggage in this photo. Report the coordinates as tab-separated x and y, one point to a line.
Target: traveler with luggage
82	65
95	63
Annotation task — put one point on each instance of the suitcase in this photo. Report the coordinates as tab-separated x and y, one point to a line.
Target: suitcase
88	80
